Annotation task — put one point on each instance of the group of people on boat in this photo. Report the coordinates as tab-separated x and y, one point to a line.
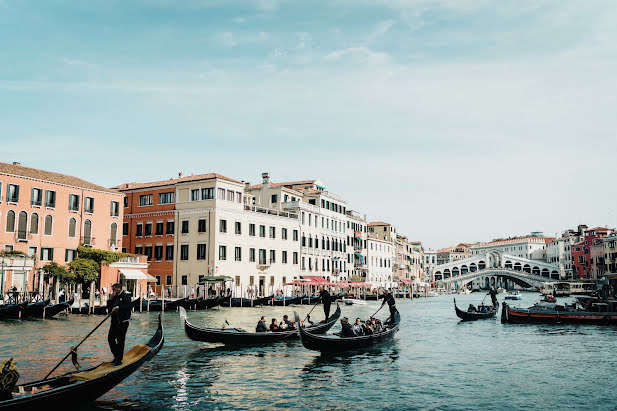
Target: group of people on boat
359	328
275	326
479	309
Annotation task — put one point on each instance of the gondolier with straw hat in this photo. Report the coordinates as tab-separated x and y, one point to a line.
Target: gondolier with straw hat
120	305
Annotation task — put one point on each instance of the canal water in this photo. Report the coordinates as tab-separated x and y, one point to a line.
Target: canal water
435	362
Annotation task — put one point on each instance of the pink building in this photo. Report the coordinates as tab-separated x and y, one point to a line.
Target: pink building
588	255
48	215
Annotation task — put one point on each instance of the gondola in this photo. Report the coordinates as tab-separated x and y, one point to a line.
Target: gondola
203	303
279	302
235	336
12	311
79	388
188	303
157	305
334	343
224	300
34	309
51	310
472	316
310	299
136	303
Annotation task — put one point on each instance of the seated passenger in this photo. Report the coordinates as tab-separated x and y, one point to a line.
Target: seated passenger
261	325
376	325
368	327
471	309
346	329
358	329
288	324
274	326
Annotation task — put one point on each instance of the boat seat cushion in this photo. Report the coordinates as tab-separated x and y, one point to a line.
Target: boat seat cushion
132	355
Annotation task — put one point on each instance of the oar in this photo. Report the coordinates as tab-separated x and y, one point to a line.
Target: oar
81	342
373	316
309	313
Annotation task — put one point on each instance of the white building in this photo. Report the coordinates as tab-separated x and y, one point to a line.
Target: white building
430	262
530	247
380	255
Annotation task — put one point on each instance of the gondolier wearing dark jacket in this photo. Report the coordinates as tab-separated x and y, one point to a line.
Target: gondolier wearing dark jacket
388	298
493	294
120	305
326	300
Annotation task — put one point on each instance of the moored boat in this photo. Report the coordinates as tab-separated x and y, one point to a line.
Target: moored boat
284	301
475	315
601	313
513	295
236	336
334	343
353	301
12	311
82	387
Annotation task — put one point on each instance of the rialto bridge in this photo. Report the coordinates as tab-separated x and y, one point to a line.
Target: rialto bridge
496	268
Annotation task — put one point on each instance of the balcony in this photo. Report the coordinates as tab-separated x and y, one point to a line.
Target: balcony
270	211
297	205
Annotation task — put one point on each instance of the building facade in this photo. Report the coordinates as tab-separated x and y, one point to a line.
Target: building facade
380	262
588	254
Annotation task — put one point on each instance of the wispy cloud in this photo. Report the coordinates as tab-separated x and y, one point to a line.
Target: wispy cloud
358	55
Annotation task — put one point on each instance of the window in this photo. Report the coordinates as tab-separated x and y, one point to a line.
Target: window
185	279
230	195
238	227
207	193
148	229
158	253
184	252
238	254
145	200
251	255
262	231
222	252
185	227
49	222
73	202
195	195
201	225
34	223
170	227
167	198
223	226
284	257
262	257
168	280
32	251
47	254
220	193
139	230
113	234
274	198
238	197
284	233
169	252
87	239
50	198
139	250
201	251
37	197
114	209
295	257
89	205
252	230
158	280
148	252
295	235
22	226
126	202
272	232
125	228
72	226
12	193
272	256
159	228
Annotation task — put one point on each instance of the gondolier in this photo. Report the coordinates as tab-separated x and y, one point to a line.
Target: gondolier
120	306
326	300
389	298
493	294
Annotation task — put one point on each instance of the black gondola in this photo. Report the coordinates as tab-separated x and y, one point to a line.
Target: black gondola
157	305
203	303
310	300
34	309
235	336
12	311
472	316
51	310
136	303
188	303
280	302
334	343
79	388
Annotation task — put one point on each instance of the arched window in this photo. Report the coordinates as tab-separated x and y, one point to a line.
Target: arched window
10	221
72	225
113	234
49	222
34	223
22	226
87	232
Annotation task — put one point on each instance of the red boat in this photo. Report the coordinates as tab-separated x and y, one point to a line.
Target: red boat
601	313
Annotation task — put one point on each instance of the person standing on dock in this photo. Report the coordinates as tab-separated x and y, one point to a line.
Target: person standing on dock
493	294
120	305
325	298
389	298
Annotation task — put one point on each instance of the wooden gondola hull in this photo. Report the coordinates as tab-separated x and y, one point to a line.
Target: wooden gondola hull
288	301
207	303
233	337
79	393
471	316
34	310
12	311
52	310
332	343
515	315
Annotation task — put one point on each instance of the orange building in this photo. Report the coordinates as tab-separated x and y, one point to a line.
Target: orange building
149	226
48	215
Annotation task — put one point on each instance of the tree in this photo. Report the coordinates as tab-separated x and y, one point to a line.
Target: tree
101	256
58	272
85	270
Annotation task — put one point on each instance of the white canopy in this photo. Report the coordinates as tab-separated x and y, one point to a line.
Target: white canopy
136	275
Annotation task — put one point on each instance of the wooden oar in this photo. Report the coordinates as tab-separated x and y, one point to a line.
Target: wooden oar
309	313
75	348
372	316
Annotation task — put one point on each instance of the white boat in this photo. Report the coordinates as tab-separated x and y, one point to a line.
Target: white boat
353	301
513	296
431	294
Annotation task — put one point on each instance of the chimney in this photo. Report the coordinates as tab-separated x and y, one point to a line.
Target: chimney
16	163
247	185
266	179
179	174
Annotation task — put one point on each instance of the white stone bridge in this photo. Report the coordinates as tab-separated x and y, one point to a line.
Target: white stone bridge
495	268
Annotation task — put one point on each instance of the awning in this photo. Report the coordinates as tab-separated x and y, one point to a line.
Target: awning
136	275
335	258
215	279
314	280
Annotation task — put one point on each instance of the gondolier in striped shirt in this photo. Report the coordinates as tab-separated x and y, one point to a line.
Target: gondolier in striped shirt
389	298
120	305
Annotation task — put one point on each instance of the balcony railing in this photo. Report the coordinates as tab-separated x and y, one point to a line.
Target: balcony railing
270	211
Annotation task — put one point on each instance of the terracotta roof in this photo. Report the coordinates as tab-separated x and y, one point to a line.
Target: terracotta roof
285	184
602	229
50	176
378	223
197	177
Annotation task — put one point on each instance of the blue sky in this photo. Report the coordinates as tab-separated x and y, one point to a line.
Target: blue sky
455	120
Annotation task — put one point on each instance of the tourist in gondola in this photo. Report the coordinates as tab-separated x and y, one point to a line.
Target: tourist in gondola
471	308
120	306
274	326
346	328
358	328
326	300
493	293
261	325
288	324
389	298
368	327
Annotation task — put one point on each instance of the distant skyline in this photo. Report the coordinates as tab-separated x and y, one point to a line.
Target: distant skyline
455	121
